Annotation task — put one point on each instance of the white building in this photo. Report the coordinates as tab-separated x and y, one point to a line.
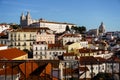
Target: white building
71	38
66	68
44	51
4	27
84	44
94	65
27	21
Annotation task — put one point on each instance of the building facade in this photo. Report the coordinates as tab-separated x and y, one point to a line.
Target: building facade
58	27
71	38
22	39
44	34
44	51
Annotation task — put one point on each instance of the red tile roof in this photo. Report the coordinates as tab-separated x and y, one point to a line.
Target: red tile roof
88	60
11	53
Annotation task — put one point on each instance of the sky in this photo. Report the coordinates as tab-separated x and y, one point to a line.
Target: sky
88	13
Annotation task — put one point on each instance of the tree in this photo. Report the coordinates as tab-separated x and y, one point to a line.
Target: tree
79	29
30	54
67	28
15	26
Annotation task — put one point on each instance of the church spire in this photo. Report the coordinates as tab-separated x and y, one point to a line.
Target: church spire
28	15
22	16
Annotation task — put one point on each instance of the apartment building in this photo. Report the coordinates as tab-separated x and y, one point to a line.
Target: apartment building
23	38
44	51
70	37
45	34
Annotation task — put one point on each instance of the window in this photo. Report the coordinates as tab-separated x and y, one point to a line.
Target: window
45	48
18	35
15	44
40	53
18	44
36	48
24	35
36	53
14	35
59	52
11	35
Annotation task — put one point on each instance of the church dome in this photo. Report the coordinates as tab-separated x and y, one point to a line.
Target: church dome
101	28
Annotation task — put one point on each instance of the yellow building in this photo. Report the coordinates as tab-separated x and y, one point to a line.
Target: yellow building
23	38
72	47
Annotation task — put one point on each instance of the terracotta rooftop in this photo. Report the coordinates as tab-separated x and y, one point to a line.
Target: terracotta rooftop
11	53
88	60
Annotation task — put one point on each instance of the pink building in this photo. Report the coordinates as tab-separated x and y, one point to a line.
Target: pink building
46	35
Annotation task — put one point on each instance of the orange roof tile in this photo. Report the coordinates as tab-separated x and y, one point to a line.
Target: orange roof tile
11	53
88	60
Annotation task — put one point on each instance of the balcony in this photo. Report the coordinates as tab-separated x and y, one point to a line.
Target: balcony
57	70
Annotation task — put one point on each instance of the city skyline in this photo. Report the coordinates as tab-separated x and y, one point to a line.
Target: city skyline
89	13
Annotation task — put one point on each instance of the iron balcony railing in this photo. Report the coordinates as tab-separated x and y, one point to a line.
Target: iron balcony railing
58	70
